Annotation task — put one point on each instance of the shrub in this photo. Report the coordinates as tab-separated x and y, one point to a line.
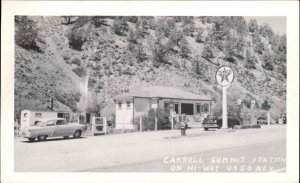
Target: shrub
26	33
68	19
188	29
67	100
92	82
250	60
268	61
161	50
163	121
185	48
266	31
77	96
99	86
77	37
199	37
207	52
165	25
78	34
66	57
265	105
98	21
76	61
268	66
79	71
120	27
149	120
252	26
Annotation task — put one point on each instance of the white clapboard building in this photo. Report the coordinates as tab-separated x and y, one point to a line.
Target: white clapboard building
136	103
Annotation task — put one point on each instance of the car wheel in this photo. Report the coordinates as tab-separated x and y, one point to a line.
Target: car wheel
42	137
205	129
77	134
66	137
31	139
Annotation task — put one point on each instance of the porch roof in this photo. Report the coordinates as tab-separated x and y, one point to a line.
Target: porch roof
162	92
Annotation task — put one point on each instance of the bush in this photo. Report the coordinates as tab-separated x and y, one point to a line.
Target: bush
100	85
268	66
252	26
265	105
26	33
199	37
67	100
165	25
268	61
161	50
250	60
149	120
207	52
266	31
77	96
79	71
185	48
120	26
98	21
76	61
77	37
78	34
68	19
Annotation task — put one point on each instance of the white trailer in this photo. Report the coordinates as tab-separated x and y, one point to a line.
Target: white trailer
28	117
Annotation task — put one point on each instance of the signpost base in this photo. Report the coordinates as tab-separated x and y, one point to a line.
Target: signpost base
224	108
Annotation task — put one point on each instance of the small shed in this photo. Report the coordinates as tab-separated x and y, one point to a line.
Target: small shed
136	103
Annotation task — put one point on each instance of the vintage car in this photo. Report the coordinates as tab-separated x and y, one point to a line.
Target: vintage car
262	120
216	122
52	127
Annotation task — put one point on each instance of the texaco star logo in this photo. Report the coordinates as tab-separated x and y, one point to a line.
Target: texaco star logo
224	76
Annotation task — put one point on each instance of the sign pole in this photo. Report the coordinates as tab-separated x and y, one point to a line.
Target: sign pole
224	108
224	77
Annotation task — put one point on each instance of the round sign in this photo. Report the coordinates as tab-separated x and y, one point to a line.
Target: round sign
239	101
224	76
253	102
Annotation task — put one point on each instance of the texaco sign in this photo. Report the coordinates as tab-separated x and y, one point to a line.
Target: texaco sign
224	76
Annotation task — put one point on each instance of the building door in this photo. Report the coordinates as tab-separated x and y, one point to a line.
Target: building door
198	108
176	108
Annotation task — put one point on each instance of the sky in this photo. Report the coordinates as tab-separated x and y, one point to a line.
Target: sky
278	23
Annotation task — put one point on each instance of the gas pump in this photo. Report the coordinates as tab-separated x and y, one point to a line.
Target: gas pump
99	125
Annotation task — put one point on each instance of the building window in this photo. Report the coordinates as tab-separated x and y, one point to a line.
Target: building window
38	115
167	107
120	104
128	103
187	108
205	107
201	108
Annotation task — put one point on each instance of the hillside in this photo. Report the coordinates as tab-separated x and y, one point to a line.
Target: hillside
64	57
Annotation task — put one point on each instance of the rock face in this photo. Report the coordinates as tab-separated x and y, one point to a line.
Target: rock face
138	52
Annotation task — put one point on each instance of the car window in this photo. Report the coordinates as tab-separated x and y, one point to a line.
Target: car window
61	122
38	123
50	123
